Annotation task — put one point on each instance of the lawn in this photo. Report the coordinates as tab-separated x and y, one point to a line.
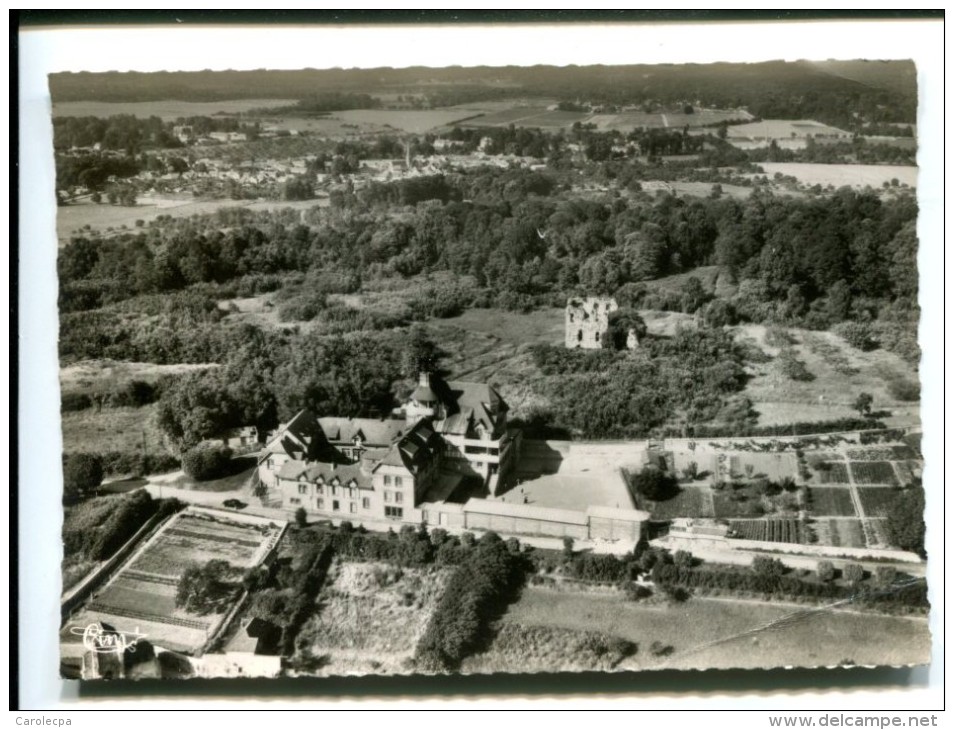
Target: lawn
832	502
106	376
840	175
371	615
876	499
873	472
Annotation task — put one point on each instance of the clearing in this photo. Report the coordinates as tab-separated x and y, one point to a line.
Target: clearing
167	109
371	616
104	376
805	638
112	429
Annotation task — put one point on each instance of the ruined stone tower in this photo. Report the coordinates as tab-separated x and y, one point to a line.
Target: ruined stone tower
586	321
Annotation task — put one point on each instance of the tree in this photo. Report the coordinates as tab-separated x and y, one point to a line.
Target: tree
863	404
81	473
905	520
619	325
825	570
655	484
567	547
301	517
768	566
202	587
853	572
207	462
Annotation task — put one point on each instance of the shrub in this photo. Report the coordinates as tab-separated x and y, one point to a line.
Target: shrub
857	334
75	402
885	575
301	517
791	367
207	462
904	390
825	570
202	588
772	567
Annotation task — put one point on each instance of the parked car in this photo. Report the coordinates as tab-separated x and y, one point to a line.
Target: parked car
234	504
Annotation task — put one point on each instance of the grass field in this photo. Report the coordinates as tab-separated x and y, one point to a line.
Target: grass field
167	110
832	502
631	120
840	533
103	376
371	615
404	120
840	175
836	473
692	626
690	502
779	400
112	429
769	129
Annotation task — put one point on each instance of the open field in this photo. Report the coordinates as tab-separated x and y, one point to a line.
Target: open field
692	626
690	502
857	176
571	491
371	616
836	473
112	429
403	120
839	377
167	110
832	502
625	121
769	129
99	376
774	467
840	532
72	219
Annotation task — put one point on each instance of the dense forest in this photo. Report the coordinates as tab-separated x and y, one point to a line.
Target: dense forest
514	239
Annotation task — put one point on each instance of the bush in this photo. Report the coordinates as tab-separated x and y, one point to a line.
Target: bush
207	462
202	588
857	334
904	390
772	567
301	517
75	402
793	368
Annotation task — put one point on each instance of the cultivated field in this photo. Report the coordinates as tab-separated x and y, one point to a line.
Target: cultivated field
857	176
370	617
699	118
167	110
141	596
740	627
403	120
788	530
769	129
832	502
875	500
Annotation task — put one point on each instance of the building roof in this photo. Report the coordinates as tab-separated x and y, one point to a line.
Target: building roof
417	448
301	437
326	472
525	511
465	404
617	513
372	431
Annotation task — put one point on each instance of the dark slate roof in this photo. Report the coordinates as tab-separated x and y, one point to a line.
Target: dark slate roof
467	404
417	448
300	437
326	472
373	431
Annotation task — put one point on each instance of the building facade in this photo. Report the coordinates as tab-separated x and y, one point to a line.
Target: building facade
586	321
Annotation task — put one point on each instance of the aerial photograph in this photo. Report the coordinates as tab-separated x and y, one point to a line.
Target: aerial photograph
472	370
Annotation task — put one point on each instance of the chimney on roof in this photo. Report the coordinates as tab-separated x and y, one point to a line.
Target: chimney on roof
424	379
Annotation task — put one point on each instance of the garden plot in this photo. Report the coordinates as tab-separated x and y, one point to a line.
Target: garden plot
371	616
774	467
875	500
690	502
789	530
840	533
141	596
834	472
832	502
873	472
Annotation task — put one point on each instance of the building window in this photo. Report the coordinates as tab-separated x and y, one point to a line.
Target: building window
302	488
270	463
353	493
352	507
596	336
366	503
294	500
387	480
398	481
387	496
319	489
319	504
393	512
336	505
399	497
